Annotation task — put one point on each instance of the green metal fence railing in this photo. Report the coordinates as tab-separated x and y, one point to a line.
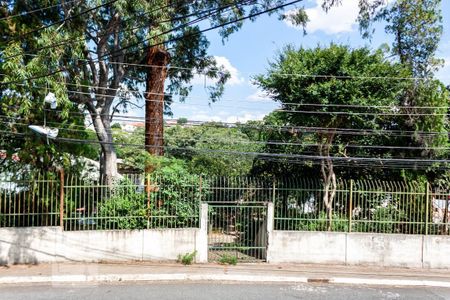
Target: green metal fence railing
363	206
133	202
29	200
144	201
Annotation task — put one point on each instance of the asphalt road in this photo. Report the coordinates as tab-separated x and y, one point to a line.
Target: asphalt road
214	291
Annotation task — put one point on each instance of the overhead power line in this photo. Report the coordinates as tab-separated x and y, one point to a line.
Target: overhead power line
267	154
145	95
270	142
344	164
249	16
253	15
271	128
71	41
28	12
66	19
327	76
260	154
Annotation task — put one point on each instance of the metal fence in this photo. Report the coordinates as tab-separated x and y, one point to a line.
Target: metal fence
363	206
29	200
138	201
237	218
74	203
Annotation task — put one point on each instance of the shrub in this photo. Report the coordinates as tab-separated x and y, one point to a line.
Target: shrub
227	259
187	258
320	223
126	209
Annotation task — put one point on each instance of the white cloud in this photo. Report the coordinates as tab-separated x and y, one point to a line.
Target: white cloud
444	72
205	117
447	62
339	19
223	116
244	118
235	79
259	96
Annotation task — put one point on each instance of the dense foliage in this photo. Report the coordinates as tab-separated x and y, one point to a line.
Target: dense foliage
355	109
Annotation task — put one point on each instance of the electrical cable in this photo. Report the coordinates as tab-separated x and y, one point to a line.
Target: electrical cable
35	10
70	41
253	15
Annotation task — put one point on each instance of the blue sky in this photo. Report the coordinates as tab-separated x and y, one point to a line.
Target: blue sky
247	53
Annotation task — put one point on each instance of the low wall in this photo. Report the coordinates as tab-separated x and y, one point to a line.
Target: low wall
34	245
51	244
388	250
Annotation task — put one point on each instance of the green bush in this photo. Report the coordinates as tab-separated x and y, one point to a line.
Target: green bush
187	259
178	195
126	209
386	219
320	223
227	259
174	202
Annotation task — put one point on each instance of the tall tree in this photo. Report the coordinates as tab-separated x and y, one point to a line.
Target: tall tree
87	52
416	28
22	104
314	88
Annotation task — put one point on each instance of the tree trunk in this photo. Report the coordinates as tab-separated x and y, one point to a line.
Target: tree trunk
329	179
445	221
157	59
108	158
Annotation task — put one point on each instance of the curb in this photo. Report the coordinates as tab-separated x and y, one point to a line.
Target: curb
111	278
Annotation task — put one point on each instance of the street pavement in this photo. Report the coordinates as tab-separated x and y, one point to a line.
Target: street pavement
216	291
259	272
168	280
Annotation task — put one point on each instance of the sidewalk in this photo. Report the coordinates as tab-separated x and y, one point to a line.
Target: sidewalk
290	273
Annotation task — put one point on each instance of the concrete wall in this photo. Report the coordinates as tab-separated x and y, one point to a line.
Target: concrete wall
395	250
307	247
51	244
436	251
388	250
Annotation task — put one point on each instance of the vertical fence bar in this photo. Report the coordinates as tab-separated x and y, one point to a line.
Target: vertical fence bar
200	188
427	206
148	200
200	200
61	199
274	187
350	206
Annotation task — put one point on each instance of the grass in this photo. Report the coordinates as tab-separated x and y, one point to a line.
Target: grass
228	259
187	259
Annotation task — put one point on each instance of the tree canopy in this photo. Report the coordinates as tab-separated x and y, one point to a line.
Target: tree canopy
344	108
92	54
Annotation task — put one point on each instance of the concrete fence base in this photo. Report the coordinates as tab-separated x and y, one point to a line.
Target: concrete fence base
52	244
387	250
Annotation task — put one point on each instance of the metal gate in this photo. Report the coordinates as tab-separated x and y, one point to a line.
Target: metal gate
237	231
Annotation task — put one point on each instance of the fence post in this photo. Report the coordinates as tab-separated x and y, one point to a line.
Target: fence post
148	189
273	191
350	206
427	206
200	188
61	198
270	226
202	237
